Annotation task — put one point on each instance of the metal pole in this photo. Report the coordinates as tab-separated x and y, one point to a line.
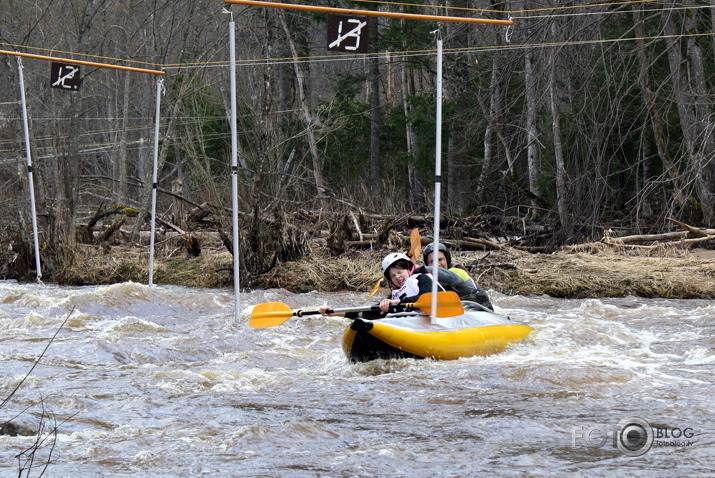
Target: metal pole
437	178
26	127
234	168
154	173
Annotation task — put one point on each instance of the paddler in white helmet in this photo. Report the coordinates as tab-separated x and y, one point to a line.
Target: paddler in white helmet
404	280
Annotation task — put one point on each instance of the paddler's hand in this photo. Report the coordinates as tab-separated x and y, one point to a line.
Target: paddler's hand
385	304
323	310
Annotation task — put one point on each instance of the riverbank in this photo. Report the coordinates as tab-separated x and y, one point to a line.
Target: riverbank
608	272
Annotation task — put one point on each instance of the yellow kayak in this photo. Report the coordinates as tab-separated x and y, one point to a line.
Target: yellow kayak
412	335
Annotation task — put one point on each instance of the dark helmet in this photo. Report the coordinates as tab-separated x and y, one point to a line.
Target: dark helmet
440	247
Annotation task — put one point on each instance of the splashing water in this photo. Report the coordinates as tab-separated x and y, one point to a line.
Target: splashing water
164	381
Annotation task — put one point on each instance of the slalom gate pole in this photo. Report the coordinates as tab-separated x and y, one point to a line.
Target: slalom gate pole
234	169
154	173
437	177
26	128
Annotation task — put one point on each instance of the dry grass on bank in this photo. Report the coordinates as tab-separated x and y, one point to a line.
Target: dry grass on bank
602	273
607	274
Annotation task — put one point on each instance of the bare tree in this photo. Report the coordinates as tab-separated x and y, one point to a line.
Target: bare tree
561	180
309	119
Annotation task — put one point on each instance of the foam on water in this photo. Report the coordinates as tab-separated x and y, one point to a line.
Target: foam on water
164	381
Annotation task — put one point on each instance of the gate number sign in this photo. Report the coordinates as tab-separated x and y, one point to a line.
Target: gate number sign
347	33
65	76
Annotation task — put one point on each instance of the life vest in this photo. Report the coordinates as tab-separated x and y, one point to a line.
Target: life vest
411	287
469	289
462	272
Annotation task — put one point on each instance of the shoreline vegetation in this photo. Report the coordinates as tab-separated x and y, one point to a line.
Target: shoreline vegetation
339	255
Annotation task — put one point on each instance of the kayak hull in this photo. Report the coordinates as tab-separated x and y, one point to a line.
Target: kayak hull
476	332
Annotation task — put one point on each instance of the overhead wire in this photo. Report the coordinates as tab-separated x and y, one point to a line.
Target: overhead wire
53	51
408	53
413	53
514	14
521	15
405	54
416	53
611	12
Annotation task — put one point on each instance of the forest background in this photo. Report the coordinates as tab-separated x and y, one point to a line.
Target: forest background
579	118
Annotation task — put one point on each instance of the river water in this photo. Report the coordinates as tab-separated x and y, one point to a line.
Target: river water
162	381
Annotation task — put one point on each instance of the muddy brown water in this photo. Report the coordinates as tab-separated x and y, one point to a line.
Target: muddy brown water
163	381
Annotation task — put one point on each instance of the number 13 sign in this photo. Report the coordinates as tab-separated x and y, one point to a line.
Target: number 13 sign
347	33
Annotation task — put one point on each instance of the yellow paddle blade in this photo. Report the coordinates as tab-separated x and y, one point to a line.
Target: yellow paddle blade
415	244
448	304
270	314
375	288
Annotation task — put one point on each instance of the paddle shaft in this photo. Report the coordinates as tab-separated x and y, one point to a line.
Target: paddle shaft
421	303
301	312
367	308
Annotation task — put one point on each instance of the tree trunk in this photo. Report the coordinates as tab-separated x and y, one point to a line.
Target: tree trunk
704	161
120	182
561	182
62	240
694	117
492	116
374	75
456	91
649	100
408	89
308	119
165	145
532	132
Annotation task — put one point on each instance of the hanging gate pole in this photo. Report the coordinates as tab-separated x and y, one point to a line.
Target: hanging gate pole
26	127
437	177
234	169
154	173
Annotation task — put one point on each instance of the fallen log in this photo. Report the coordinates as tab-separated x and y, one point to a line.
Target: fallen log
693	230
641	238
687	236
467	244
200	213
107	233
648	241
190	242
86	231
361	244
681	242
169	225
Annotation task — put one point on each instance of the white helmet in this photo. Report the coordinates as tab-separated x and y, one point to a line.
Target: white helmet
390	259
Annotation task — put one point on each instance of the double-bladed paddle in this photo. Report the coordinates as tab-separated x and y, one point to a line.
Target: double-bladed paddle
271	314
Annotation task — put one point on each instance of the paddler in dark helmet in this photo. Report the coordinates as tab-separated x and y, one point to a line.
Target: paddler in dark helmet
459	281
